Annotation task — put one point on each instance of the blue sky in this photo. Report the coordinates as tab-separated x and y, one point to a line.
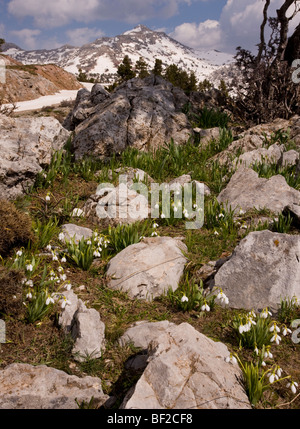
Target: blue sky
200	24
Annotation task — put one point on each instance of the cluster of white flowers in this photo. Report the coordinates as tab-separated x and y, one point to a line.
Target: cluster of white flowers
99	242
205	307
222	298
249	322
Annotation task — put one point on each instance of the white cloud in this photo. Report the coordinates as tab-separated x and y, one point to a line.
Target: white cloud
81	36
27	37
57	13
239	25
206	35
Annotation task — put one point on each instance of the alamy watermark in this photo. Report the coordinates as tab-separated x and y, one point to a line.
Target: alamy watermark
132	201
296	73
2	72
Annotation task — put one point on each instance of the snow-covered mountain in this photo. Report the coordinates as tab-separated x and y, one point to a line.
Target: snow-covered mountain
103	56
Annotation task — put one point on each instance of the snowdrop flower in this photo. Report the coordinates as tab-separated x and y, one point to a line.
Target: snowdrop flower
184	299
163	216
256	351
29	283
221	215
286	331
279	371
205	307
231	359
63	277
63	259
155	225
154	234
274	327
265	313
275	338
48	198
54	257
97	254
49	247
195	206
61	236
68	286
29	267
293	385
29	295
89	243
175	209
49	300
216	233
222	297
268	354
263	363
65	302
273	377
241	212
19	253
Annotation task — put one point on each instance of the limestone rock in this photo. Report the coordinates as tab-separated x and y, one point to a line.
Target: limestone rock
148	269
27	387
139	113
76	232
264	268
187	370
26	146
246	191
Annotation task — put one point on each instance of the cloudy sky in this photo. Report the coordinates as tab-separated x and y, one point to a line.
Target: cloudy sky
200	24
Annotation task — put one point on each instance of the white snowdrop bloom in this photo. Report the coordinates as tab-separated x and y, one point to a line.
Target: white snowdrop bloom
61	236
265	313
154	234
241	329
68	286
279	372
29	267
216	233
256	351
263	363
231	359
54	257
49	300
155	225
63	277
97	254
156	206
268	354
163	216
48	198
60	269
29	283
65	302
271	378
242	212
195	206
29	295
275	338
184	299
19	253
175	209
293	385
89	243
221	215
286	331
205	307
49	247
63	260
274	327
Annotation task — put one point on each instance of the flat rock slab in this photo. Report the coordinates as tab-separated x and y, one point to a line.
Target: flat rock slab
264	268
75	232
247	191
27	387
148	269
187	370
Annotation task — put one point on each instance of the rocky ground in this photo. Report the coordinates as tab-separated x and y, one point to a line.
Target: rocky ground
113	313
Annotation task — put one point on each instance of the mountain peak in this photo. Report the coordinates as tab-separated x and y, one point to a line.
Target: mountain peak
138	29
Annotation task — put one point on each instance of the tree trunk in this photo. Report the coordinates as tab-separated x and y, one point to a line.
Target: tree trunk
292	51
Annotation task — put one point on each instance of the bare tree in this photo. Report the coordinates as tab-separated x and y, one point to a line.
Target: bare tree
267	90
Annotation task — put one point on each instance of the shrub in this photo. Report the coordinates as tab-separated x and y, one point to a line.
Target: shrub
11	302
15	227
